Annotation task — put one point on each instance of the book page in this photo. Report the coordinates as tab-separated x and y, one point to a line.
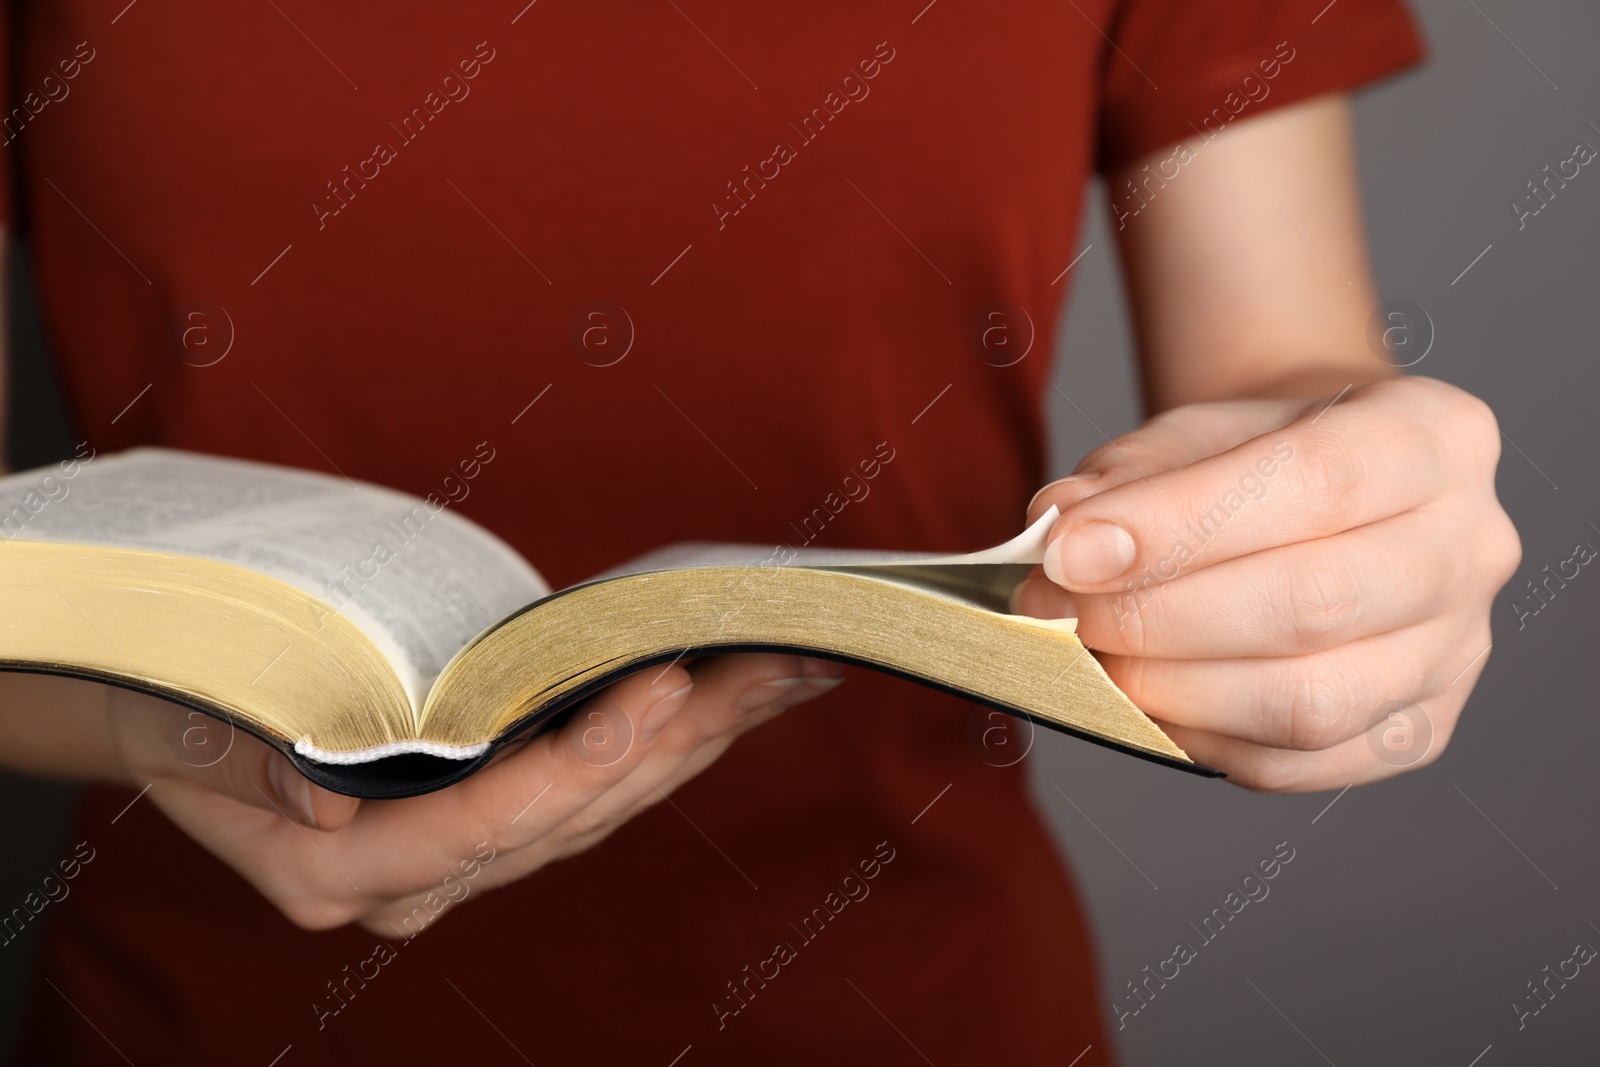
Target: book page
420	580
1025	548
984	578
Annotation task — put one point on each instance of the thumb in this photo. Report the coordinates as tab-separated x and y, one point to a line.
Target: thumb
1170	440
159	740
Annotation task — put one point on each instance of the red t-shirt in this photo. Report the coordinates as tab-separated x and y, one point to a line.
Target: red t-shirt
732	251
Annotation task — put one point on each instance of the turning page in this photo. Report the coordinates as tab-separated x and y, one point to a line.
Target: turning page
1025	549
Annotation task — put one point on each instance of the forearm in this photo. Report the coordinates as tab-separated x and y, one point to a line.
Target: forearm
1248	273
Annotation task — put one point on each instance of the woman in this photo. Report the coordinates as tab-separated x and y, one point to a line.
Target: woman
687	269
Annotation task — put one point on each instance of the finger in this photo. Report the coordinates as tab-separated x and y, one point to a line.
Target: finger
1168	441
1368	758
516	803
736	689
163	742
710	751
1281	602
733	694
1310	702
1376	454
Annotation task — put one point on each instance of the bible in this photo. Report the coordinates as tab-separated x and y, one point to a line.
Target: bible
387	645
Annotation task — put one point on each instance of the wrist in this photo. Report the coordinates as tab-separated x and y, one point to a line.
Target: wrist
1318	381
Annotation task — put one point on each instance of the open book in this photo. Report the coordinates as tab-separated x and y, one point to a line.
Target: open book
387	645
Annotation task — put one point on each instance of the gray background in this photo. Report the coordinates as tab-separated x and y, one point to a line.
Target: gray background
1408	922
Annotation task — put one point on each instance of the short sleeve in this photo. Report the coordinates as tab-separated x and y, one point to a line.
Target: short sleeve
1179	69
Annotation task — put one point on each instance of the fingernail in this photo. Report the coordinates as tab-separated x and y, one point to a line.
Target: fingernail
1094	552
294	791
817	669
662	711
1086	476
815	688
1042	598
766	693
1018	596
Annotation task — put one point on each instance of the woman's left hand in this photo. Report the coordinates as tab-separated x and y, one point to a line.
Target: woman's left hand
1298	592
